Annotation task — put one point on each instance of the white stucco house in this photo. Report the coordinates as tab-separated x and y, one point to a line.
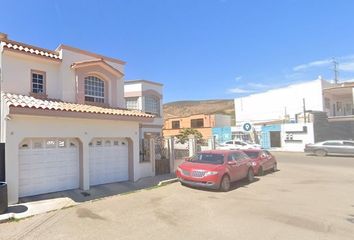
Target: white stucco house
275	105
278	117
64	120
281	103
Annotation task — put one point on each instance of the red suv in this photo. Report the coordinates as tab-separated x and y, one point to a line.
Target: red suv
215	169
262	160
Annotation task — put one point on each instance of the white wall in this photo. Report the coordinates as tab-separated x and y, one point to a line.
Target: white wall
20	127
271	105
16	74
60	77
140	87
305	138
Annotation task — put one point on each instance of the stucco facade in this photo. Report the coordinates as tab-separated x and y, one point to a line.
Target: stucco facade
64	110
281	103
139	91
204	123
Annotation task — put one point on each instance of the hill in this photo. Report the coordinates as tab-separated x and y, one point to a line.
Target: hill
187	108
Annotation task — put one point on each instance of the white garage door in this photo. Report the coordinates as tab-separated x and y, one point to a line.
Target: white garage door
48	165
108	161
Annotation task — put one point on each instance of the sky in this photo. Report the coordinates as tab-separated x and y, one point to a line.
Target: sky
199	49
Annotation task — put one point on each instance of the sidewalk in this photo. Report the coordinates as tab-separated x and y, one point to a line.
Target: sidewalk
29	206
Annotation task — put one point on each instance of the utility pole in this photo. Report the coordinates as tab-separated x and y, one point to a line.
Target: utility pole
304	109
335	70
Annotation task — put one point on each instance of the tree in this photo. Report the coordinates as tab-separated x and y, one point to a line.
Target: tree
183	135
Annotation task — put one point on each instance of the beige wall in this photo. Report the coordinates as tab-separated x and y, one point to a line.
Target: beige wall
60	77
206	131
21	126
209	121
16	73
68	77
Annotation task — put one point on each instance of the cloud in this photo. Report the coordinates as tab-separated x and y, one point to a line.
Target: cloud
346	67
319	63
239	90
257	85
238	78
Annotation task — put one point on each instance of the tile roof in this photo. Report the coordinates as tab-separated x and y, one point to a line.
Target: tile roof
14	100
22	47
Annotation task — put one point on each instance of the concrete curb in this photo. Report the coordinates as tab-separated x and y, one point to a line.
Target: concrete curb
169	181
6	217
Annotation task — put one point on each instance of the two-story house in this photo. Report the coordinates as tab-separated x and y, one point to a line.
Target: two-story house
64	120
204	123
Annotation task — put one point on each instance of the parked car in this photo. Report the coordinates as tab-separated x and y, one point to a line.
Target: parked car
262	160
238	144
215	169
331	147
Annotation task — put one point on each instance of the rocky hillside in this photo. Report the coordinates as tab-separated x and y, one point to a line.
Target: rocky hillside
187	108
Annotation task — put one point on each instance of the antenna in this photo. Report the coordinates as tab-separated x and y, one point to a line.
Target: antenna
335	70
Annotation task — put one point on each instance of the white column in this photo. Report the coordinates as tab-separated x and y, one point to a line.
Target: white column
171	153
85	165
12	168
191	145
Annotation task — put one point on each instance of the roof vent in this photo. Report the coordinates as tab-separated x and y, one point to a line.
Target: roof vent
3	36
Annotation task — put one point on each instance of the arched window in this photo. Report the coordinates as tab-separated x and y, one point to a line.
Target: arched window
152	105
94	89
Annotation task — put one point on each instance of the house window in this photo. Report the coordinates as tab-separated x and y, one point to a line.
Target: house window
94	89
175	125
132	103
339	106
327	103
38	82
197	123
152	105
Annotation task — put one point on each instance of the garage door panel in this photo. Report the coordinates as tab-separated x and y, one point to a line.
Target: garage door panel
108	163
44	170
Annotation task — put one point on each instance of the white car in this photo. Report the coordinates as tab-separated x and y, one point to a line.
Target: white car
237	144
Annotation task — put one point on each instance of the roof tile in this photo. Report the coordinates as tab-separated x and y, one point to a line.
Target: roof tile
29	49
15	100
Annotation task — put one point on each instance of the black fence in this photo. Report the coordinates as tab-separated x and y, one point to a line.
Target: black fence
2	162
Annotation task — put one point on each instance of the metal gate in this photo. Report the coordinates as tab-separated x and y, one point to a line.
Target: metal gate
2	162
162	156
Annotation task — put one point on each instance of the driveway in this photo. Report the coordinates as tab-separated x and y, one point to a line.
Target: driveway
309	198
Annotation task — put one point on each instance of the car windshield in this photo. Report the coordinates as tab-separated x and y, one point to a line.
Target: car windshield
211	158
252	154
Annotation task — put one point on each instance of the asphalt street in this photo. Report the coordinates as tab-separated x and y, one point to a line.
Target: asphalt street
308	198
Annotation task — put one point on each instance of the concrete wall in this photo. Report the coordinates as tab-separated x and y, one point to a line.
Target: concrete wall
325	130
273	104
222	120
294	136
20	127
